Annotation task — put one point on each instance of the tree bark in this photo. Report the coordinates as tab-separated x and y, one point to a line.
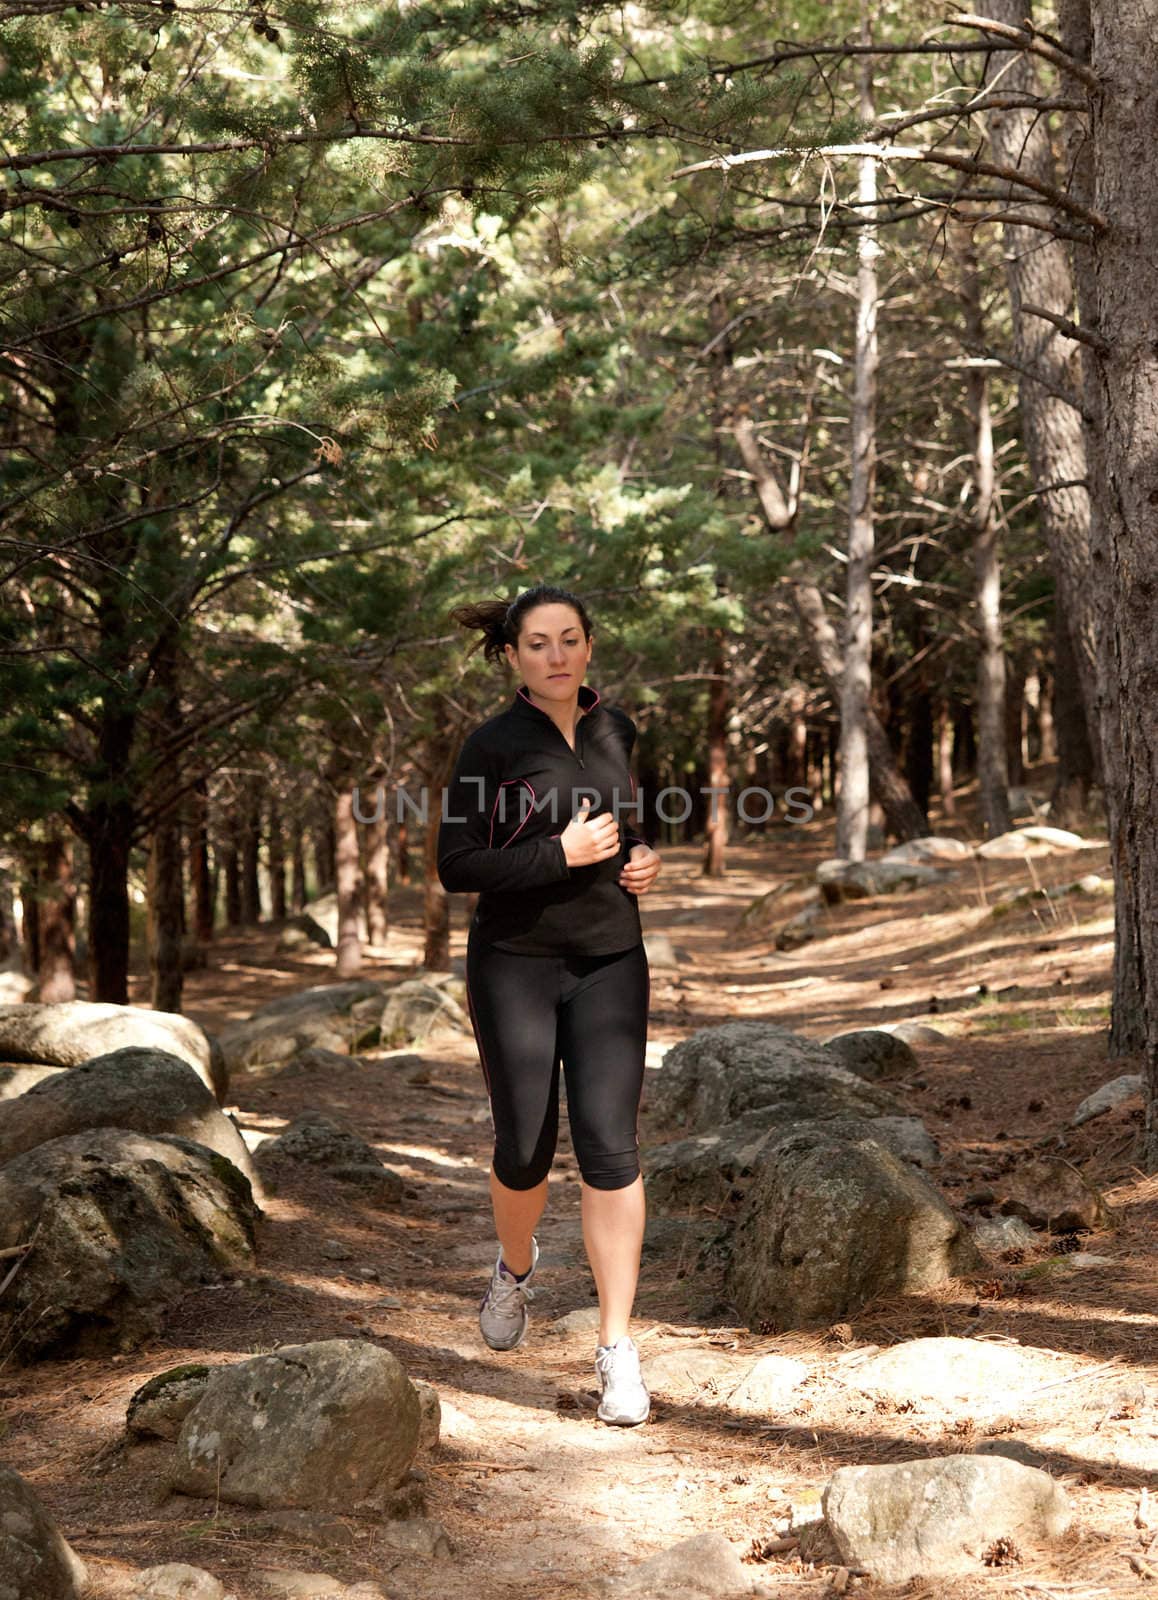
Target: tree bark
1046	727
378	876
1014	725
275	851
1038	273
919	751
1075	759
325	846
852	807
1124	467
298	858
251	853
56	921
227	851
945	758
903	816
108	832
30	912
716	822
349	881
993	769
200	877
165	897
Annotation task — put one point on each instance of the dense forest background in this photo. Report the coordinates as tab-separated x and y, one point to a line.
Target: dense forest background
816	352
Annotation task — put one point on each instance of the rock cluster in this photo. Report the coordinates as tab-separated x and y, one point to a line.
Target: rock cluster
821	1164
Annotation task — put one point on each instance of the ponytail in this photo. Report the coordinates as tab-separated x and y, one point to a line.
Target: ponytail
500	621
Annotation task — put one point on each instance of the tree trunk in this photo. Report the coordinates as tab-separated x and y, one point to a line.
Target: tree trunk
231	862
251	854
165	897
1127	1021
436	909
1014	725
56	922
378	876
945	758
298	871
325	846
1038	273
275	851
1075	759
852	809
993	769
349	881
1124	477
716	822
402	835
200	877
30	912
1046	727
902	814
919	753
108	833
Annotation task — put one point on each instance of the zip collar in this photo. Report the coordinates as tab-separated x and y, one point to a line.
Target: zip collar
589	699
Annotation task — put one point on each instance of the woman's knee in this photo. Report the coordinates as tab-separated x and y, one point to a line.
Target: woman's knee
522	1166
609	1171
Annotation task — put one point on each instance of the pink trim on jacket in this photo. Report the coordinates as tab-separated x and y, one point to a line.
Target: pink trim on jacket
504	785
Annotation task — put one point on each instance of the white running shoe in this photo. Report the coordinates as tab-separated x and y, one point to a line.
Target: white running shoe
502	1315
623	1394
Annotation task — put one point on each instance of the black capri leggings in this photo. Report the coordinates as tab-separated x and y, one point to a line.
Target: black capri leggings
588	1012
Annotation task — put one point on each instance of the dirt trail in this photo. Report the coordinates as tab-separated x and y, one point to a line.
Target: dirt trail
538	1497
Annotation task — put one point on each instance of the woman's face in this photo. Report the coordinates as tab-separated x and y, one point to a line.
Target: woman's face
552	654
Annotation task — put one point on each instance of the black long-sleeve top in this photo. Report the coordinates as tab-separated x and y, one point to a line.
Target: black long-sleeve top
515	787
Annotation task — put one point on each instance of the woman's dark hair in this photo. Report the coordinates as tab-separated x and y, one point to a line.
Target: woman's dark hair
500	621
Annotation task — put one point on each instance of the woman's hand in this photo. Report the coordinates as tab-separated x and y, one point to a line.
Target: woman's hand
642	869
585	842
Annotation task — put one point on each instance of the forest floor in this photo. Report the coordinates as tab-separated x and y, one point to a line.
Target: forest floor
539	1498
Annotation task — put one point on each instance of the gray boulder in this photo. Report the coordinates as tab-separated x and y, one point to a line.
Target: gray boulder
873	1054
914	1032
1108	1098
661	952
705	1168
720	1074
334	1016
177	1581
74	1031
946	1372
418	1010
938	1518
932	848
996	1234
1051	1193
801	929
119	1226
1022	843
320	1142
159	1407
331	1425
723	1378
302	932
706	1566
862	880
142	1090
829	1224
323	913
17	1078
35	1561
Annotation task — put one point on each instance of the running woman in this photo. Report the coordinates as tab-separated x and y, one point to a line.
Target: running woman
556	970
